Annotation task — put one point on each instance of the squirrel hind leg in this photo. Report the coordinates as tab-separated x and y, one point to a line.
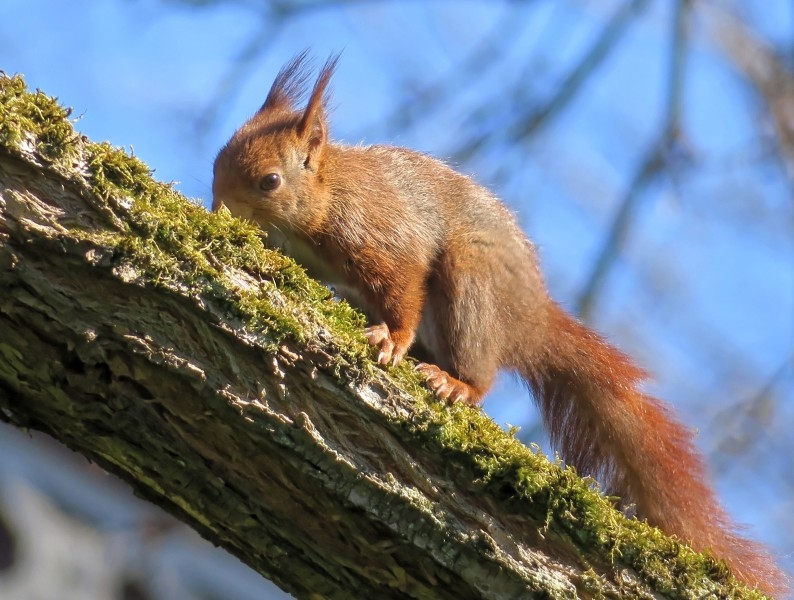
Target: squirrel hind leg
447	387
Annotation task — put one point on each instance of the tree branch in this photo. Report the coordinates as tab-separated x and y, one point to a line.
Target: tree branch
169	346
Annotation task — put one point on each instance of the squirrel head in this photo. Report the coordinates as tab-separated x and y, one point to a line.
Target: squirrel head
271	170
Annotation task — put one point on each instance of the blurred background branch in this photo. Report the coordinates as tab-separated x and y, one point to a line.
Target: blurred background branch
660	157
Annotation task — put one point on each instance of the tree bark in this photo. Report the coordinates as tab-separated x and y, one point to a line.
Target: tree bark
166	344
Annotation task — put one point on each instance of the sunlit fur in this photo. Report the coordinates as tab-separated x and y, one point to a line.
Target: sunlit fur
432	256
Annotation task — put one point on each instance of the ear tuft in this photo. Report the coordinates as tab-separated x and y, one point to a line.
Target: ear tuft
315	107
289	85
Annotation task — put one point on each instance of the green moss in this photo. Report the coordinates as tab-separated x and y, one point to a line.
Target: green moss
34	119
181	243
173	243
177	243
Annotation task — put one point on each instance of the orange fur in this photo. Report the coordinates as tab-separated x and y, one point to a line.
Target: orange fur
635	446
432	257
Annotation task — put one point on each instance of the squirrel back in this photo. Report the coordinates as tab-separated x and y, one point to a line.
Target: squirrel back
434	258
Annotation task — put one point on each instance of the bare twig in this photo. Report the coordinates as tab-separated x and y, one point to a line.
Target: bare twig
767	72
650	168
437	94
527	123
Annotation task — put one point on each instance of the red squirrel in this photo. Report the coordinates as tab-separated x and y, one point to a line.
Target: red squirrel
438	260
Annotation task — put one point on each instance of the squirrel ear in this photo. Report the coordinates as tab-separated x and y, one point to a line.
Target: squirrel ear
312	126
315	143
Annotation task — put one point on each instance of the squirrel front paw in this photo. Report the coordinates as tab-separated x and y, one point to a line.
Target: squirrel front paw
390	351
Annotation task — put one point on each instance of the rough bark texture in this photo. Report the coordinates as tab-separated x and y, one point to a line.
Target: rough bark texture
134	336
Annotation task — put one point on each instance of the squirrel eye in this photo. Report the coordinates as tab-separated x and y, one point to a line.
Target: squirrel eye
270	182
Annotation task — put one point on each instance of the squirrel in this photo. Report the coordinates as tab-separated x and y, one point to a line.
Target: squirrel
436	259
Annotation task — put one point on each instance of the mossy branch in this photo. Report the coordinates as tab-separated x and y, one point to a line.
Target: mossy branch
168	345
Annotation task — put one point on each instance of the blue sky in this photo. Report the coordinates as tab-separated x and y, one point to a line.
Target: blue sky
703	294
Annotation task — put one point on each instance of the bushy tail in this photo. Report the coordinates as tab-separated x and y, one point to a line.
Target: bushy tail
601	424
